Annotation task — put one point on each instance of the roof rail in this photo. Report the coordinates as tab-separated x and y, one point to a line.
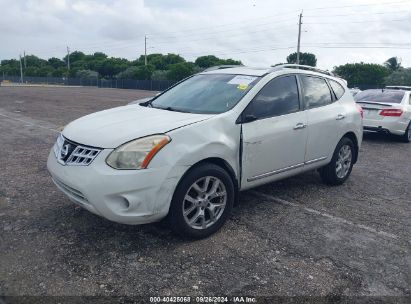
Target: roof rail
299	66
220	67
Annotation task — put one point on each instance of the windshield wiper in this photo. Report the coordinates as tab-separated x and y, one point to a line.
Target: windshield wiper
171	109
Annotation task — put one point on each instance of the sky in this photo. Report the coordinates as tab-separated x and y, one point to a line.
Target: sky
257	32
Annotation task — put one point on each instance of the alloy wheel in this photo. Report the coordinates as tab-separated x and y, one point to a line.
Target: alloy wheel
204	202
343	164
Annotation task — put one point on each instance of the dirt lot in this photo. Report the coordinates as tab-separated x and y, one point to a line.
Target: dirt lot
290	238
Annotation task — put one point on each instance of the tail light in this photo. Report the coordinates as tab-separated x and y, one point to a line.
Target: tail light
360	110
391	112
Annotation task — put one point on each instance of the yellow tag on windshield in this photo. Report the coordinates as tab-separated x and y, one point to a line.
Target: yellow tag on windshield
242	86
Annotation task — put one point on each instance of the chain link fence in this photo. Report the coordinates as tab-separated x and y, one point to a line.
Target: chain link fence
150	85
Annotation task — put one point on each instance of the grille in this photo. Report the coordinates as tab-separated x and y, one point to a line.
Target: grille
73	154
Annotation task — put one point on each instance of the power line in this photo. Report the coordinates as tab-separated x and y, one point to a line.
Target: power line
358	13
289	13
364	21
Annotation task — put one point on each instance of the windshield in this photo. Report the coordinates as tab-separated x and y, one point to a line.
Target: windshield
385	96
206	93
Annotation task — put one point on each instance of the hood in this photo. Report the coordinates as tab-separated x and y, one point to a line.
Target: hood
112	128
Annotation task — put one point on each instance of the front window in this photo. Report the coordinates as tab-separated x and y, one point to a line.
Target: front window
383	96
278	97
206	93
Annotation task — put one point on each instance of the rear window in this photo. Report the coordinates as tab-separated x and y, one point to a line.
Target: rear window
337	88
383	96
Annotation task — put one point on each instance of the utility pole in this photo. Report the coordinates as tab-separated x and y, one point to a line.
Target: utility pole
68	58
145	49
299	37
25	64
21	70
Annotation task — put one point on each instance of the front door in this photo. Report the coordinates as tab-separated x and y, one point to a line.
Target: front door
274	133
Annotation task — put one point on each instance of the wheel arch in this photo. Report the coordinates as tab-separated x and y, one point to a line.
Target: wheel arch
353	137
223	164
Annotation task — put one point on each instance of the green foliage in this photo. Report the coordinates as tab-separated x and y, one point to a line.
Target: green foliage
86	74
179	71
159	75
160	67
362	73
211	60
10	67
401	77
393	64
56	62
137	72
75	56
305	59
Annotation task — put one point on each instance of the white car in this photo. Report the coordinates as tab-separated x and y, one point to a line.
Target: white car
355	91
387	110
187	153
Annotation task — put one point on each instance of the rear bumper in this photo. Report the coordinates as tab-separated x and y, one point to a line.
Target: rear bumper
389	125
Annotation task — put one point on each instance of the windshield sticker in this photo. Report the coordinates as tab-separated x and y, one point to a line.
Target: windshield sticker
242	80
242	86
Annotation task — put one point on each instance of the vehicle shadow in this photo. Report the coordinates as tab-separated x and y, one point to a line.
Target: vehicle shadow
81	233
381	138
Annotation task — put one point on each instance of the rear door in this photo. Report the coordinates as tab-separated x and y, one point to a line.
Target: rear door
325	118
274	133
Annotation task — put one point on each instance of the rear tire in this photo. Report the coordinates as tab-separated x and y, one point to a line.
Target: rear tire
407	135
202	202
339	169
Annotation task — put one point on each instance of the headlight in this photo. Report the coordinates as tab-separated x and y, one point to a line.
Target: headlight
138	153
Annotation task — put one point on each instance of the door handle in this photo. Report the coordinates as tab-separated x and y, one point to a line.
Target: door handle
340	117
300	125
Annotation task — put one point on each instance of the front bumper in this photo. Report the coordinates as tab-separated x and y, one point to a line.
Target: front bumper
392	125
123	196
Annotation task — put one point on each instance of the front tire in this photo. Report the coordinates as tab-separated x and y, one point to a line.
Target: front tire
339	169
202	202
407	135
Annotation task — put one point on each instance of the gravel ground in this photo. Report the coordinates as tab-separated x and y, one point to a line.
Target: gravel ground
296	237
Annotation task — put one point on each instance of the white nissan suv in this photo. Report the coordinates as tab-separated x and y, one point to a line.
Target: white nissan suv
186	154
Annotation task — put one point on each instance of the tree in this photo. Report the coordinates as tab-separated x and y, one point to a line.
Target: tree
99	55
143	72
34	61
362	73
173	59
305	59
10	67
159	75
110	67
86	74
56	62
180	71
75	56
160	67
207	61
211	60
400	77
393	64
